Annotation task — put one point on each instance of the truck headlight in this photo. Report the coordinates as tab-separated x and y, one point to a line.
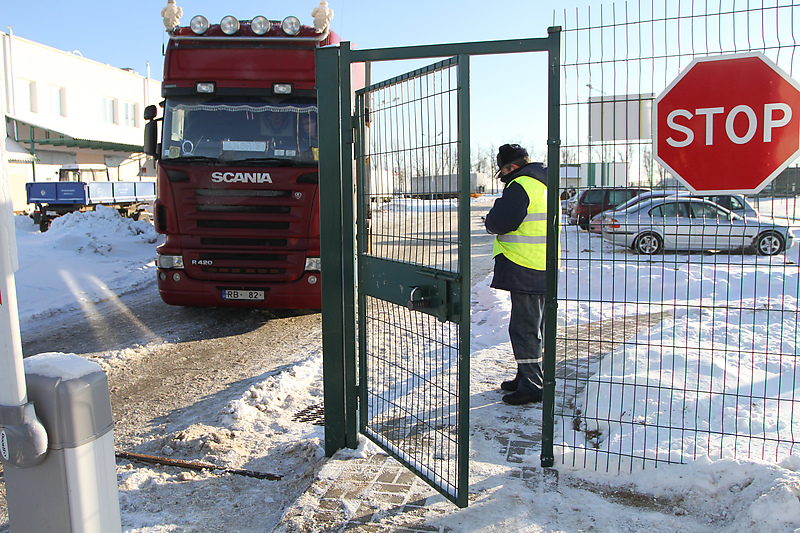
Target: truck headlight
229	25
313	263
199	24
291	25
260	25
169	261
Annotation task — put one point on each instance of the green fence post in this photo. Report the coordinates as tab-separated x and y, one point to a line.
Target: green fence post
330	214
553	222
348	243
464	260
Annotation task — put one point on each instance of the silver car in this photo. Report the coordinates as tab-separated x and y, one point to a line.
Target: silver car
686	223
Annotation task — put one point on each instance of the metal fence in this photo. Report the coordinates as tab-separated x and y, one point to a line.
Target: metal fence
667	357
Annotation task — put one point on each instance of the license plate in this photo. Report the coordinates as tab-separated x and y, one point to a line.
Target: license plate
230	294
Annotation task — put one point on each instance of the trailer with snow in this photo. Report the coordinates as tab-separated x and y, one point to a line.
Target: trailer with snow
81	188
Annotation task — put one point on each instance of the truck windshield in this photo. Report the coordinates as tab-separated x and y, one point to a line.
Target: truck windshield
231	130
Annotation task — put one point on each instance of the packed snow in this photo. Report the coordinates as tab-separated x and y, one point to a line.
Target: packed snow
86	257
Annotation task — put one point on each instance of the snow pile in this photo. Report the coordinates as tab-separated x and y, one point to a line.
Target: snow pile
264	421
733	495
300	385
726	389
83	258
259	432
111	358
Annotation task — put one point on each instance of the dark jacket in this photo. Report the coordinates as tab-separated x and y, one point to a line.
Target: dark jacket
506	215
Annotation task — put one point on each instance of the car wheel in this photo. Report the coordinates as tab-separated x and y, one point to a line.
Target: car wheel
769	243
648	243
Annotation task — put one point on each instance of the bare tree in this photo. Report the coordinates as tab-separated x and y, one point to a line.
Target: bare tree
647	165
569	155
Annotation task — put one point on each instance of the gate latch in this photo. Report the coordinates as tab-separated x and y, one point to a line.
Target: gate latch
418	299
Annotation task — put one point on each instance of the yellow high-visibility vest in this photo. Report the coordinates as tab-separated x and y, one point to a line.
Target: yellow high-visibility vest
526	245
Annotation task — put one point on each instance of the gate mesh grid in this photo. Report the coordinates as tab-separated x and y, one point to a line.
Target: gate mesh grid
668	357
411	361
412	400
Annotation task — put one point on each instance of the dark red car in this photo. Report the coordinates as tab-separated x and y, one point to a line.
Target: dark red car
598	199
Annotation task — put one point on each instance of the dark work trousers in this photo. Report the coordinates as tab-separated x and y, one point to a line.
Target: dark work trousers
526	329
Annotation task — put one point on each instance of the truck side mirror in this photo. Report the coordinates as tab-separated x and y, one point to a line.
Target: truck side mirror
151	138
150	112
151	131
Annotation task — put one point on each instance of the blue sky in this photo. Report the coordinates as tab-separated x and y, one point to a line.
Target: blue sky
508	92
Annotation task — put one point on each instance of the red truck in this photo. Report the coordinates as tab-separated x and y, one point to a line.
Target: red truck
237	194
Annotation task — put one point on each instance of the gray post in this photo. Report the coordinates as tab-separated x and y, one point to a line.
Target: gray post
75	488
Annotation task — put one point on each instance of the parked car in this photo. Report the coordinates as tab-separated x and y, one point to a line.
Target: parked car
596	223
687	223
598	199
732	202
735	203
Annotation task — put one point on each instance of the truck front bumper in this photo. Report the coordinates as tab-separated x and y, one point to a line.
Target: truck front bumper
303	293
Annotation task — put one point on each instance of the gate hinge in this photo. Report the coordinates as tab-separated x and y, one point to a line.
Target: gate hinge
349	134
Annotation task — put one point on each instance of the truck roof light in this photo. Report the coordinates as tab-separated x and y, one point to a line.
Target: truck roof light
260	25
199	24
229	25
282	88
291	25
207	87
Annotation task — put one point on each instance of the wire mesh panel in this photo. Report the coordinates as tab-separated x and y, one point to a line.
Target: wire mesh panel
412	403
413	371
678	314
411	169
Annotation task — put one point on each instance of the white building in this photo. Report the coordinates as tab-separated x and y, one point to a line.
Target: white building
61	108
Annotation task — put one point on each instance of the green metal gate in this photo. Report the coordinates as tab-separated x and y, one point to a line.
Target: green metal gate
394	209
413	270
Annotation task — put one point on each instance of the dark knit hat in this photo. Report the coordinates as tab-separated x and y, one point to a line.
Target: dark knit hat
509	153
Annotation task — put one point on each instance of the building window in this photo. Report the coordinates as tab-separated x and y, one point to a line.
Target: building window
55	101
129	114
109	111
25	94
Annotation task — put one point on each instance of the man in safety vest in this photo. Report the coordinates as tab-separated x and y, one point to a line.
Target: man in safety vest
518	219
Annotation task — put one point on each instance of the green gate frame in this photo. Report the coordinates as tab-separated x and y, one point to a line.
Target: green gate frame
338	225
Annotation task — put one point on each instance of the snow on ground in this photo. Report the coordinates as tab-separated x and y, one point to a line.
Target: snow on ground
86	257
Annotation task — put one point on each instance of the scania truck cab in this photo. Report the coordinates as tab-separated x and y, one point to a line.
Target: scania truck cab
237	196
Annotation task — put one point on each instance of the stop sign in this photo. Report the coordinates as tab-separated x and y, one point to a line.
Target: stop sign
728	124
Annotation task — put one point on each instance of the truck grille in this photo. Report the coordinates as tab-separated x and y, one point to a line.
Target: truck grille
242	224
253	234
213	241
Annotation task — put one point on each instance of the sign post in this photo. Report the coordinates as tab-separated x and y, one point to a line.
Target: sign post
728	124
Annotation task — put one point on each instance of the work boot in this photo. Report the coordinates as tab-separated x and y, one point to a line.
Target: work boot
520	398
510	385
